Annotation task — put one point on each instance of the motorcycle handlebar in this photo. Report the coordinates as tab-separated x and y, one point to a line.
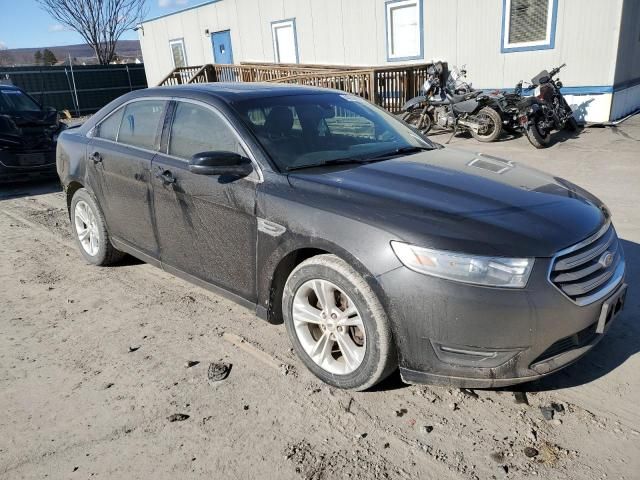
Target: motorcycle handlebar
556	70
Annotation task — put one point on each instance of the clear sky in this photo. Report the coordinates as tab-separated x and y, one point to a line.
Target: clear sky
24	24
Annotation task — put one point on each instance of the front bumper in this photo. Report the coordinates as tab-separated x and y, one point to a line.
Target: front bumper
480	337
11	169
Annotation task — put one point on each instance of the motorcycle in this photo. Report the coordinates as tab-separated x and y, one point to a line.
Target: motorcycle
546	110
454	107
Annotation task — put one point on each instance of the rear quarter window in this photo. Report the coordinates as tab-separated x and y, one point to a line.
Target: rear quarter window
108	128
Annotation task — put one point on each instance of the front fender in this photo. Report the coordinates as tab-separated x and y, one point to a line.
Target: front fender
415	101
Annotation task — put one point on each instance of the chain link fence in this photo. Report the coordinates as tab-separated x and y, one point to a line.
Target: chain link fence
80	89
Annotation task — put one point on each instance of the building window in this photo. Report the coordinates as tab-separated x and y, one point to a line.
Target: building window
528	24
177	53
285	42
404	30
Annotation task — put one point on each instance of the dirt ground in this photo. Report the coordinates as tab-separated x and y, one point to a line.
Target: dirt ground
93	364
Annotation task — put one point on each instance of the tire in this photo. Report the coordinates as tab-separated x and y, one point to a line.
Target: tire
537	138
571	125
369	339
419	120
494	125
86	213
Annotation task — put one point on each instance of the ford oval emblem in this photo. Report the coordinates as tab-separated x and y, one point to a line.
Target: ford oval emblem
606	259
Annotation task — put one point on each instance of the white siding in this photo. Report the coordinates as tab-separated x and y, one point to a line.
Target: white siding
353	32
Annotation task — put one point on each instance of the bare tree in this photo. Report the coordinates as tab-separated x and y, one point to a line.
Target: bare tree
99	22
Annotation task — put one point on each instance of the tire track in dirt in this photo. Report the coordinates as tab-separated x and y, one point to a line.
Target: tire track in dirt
476	438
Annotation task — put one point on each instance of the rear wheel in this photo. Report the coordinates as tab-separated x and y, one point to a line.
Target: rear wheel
419	118
90	231
571	124
336	324
490	125
538	136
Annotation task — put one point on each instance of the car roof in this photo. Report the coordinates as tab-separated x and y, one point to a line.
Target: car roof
237	91
8	87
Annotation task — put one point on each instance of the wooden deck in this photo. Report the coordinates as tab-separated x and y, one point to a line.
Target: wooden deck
389	86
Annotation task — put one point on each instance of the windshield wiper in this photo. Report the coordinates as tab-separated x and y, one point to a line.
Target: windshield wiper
362	160
335	161
401	151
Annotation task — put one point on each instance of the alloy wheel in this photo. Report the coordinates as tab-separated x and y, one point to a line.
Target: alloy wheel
86	228
329	326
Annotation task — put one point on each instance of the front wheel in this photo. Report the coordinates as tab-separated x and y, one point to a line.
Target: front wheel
490	125
419	119
537	135
337	325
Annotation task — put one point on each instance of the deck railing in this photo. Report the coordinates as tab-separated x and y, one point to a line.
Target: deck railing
389	86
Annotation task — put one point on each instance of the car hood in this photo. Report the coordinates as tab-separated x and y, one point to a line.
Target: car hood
457	200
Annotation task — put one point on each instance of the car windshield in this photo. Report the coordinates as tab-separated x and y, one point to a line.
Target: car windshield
306	130
12	100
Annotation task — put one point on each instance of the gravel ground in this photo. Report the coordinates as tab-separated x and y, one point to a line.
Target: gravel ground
99	378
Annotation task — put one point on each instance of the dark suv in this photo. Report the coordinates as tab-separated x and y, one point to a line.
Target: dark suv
376	247
28	134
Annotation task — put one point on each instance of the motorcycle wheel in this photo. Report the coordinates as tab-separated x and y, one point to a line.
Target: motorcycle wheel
538	137
571	125
419	120
493	125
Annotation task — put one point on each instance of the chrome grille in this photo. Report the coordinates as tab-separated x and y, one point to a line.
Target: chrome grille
590	269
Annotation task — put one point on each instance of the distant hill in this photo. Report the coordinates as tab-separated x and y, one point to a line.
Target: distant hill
83	52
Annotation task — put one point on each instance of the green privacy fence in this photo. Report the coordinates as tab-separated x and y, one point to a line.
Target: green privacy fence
82	90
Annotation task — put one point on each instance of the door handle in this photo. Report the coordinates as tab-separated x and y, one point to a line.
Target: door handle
96	157
166	176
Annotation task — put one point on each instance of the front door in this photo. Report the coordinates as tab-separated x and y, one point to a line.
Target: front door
221	42
120	154
206	223
223	54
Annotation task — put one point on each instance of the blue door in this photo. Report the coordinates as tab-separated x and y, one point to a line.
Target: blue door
223	53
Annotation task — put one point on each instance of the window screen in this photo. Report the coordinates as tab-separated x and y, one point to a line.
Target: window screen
139	126
528	20
197	129
284	41
178	54
404	31
108	129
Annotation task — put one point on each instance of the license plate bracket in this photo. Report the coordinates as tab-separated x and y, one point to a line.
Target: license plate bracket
611	308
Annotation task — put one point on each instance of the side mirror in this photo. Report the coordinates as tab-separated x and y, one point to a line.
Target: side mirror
220	163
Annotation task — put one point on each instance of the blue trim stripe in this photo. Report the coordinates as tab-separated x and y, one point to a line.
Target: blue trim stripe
179	11
626	84
549	46
588	90
420	56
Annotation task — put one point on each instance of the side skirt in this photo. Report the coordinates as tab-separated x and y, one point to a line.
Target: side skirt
126	247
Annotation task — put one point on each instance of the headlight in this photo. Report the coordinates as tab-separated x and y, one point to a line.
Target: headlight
490	271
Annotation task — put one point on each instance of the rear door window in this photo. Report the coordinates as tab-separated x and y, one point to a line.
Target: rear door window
140	123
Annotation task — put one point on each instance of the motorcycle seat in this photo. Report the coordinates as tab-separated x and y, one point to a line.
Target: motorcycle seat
465	96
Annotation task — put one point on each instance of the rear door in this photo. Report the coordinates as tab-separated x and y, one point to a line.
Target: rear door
120	155
206	223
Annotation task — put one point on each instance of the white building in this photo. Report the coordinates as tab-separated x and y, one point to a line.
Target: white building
500	41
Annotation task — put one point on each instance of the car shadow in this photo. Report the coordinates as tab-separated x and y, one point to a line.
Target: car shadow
11	190
621	342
